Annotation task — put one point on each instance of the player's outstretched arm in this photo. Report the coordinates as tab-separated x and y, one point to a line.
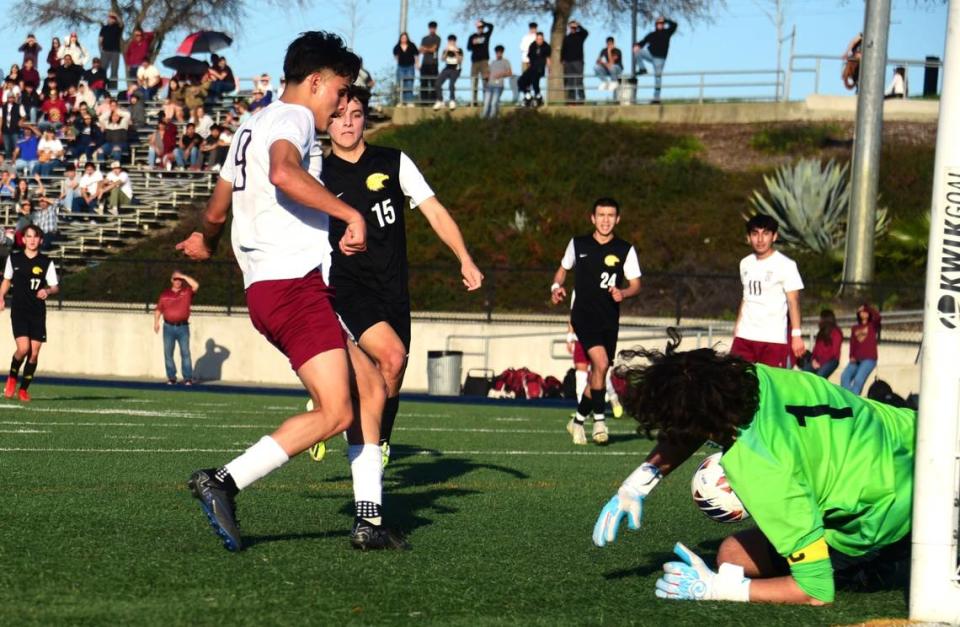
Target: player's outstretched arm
449	233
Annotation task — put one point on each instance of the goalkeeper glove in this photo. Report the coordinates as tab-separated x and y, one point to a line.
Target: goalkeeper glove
692	579
626	503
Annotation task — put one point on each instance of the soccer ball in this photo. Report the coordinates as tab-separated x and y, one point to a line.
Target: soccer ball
713	495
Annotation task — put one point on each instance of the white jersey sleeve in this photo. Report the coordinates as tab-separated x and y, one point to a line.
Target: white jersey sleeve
631	267
412	183
52	279
791	276
8	269
569	257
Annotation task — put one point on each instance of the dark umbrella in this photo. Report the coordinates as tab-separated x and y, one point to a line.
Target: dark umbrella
204	41
186	65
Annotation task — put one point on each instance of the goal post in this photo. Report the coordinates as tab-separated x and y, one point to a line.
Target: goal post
934	574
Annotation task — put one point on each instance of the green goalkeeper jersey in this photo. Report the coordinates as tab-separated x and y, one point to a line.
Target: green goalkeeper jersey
819	463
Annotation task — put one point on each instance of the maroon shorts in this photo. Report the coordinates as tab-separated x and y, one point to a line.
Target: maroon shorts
297	316
761	352
579	355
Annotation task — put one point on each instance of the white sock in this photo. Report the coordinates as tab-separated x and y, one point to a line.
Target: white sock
581	379
611	392
257	461
366	466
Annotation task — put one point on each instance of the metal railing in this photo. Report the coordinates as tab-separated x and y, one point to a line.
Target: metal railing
816	64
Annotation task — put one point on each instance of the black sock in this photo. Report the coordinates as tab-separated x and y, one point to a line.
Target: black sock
15	366
368	511
28	371
223	476
583	408
390	409
598	402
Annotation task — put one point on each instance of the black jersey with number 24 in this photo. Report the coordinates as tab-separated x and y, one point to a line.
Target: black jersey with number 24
598	267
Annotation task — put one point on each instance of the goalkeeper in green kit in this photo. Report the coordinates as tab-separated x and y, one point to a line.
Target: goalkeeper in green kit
826	475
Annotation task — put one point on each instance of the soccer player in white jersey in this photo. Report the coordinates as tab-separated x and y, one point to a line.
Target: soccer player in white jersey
771	295
279	231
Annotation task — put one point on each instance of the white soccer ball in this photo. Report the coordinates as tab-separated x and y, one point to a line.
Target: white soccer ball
713	495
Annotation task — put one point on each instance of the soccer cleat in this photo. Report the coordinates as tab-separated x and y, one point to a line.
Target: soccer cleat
438	105
452	105
218	505
617	409
11	387
368	537
600	434
385	453
575	429
318	450
23	395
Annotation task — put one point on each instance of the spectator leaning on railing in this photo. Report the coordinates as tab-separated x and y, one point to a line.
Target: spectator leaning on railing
653	49
609	66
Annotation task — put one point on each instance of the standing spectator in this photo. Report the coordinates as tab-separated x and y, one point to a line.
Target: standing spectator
529	83
89	190
771	297
148	80
50	153
188	148
12	117
452	58
53	56
138	49
898	88
96	79
45	216
864	336
405	54
826	348
609	66
499	70
31	50
76	51
479	47
116	190
111	41
571	56
525	42
27	152
69	187
29	74
173	307
213	149
653	49
429	68
68	74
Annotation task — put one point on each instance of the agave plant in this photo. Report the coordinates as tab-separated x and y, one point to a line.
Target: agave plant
810	202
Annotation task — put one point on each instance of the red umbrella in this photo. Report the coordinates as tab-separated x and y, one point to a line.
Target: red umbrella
204	41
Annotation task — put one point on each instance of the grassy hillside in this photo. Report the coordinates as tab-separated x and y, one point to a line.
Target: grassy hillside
522	185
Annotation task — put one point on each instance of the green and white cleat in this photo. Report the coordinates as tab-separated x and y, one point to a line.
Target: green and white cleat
617	409
385	453
318	451
600	434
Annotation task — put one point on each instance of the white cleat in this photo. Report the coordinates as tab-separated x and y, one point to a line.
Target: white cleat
575	429
600	434
438	105
452	105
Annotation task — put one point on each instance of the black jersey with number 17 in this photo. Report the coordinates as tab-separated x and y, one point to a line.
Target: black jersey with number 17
28	275
598	267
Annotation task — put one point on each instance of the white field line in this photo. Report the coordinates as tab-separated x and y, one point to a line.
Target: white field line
23	431
424	453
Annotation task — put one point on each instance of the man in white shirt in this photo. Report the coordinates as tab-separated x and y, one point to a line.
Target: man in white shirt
88	190
771	295
525	42
280	224
116	188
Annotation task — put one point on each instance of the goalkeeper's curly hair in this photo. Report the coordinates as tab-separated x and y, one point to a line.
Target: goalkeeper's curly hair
690	395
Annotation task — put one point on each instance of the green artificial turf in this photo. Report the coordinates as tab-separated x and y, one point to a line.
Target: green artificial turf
97	528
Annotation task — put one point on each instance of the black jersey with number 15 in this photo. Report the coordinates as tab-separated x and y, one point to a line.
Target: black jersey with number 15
372	187
597	268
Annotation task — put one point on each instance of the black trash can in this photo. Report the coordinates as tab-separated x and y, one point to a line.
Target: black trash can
931	76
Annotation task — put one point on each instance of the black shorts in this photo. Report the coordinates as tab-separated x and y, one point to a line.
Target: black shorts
360	310
29	324
590	336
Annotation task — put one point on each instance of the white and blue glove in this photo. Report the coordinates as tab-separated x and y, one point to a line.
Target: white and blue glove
692	580
626	503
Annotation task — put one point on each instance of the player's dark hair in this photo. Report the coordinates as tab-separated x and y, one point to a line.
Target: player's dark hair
605	201
361	95
315	51
36	229
691	395
762	222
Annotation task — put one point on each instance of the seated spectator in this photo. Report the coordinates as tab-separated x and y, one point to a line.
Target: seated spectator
898	88
214	149
73	49
29	74
263	85
138	111
54	109
50	82
69	187
243	111
826	349
188	147
12	118
89	189
202	121
222	79
7	166
89	138
260	100
116	188
27	152
96	78
53	58
24	219
114	138
230	122
195	95
148	80
84	94
14	75
10	88
161	145
68	74
8	184
176	94
30	102
50	153
114	107
609	66
44	215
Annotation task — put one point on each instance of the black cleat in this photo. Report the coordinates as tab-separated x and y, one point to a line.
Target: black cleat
219	506
367	537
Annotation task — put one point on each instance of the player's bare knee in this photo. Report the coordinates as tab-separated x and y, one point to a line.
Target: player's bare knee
392	365
732	552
